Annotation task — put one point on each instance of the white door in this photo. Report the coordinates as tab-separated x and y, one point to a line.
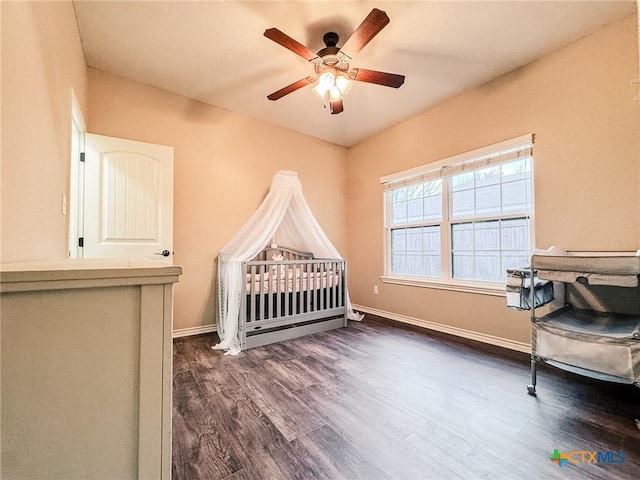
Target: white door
128	192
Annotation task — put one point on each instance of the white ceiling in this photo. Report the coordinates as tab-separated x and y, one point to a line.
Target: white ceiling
215	51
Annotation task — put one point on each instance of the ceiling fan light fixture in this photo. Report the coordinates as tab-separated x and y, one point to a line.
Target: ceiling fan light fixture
344	83
335	82
325	83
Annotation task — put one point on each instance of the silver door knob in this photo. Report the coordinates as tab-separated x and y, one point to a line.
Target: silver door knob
164	253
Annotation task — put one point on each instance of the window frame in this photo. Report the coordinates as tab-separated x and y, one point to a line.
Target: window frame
495	154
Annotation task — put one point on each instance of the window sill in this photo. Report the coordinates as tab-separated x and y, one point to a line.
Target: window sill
493	289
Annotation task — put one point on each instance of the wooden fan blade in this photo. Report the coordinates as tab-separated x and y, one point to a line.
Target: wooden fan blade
379	78
287	42
336	107
291	88
369	28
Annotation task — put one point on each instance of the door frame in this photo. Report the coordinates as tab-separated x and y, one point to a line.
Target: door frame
76	179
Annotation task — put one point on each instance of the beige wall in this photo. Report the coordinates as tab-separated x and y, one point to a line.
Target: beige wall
579	103
223	167
56	389
42	60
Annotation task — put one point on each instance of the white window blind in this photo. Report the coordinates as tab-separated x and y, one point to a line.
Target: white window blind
502	152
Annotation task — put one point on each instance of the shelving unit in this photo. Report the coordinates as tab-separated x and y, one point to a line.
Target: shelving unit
593	327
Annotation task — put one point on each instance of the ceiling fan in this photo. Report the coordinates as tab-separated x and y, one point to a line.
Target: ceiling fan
333	78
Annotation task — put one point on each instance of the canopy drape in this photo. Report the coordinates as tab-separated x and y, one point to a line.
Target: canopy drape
283	218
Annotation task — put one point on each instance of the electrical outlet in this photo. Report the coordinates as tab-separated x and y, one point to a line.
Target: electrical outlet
375	289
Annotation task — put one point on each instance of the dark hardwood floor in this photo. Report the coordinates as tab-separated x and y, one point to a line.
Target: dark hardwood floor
381	400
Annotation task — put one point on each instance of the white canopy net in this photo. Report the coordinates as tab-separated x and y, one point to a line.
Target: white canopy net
283	218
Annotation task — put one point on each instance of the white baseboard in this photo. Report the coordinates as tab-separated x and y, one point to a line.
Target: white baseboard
186	332
458	332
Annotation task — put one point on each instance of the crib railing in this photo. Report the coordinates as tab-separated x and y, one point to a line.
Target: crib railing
287	253
282	293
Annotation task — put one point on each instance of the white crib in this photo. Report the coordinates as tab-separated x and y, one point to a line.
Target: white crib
289	293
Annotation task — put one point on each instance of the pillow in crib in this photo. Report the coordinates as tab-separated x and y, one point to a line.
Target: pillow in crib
278	257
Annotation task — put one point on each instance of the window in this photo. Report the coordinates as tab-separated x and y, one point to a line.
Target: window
415	235
462	220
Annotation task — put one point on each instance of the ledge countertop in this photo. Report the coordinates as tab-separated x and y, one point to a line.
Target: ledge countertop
78	273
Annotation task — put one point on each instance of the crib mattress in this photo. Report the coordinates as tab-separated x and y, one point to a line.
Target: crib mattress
289	280
600	342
